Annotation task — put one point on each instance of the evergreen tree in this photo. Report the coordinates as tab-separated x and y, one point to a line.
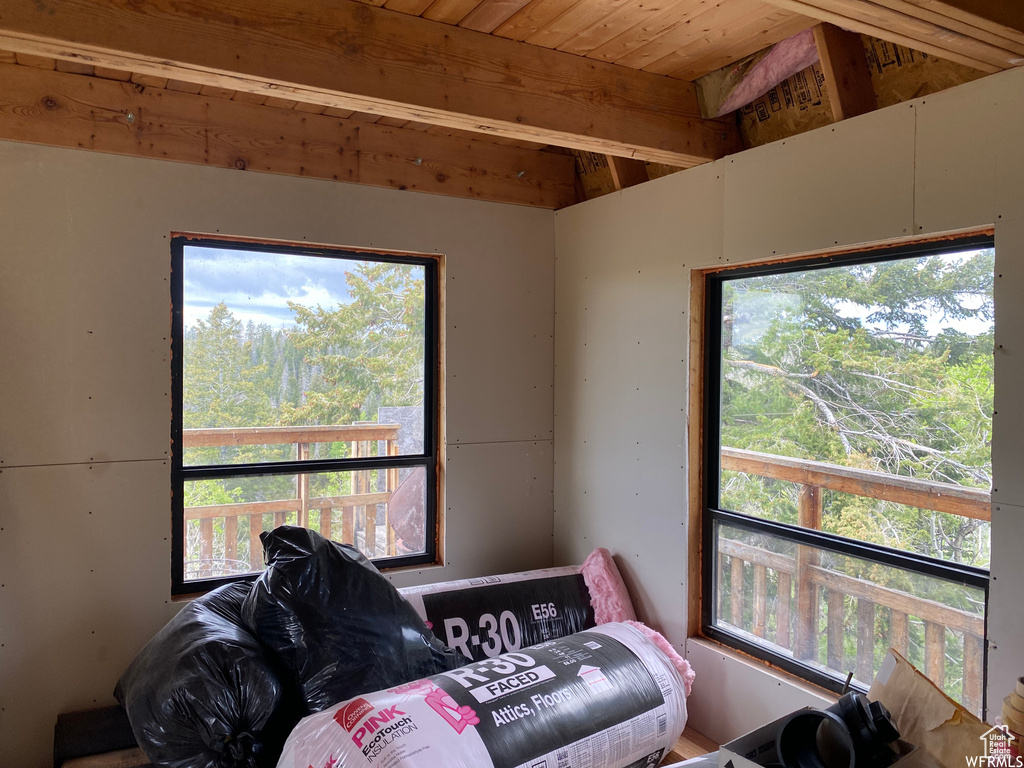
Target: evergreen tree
837	365
366	353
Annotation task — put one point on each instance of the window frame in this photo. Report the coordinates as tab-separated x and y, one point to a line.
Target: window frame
430	459
708	409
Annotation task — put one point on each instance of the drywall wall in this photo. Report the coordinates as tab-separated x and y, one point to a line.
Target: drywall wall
620	365
84	406
949	162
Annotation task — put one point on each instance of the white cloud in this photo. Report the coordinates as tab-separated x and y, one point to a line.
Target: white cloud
259	286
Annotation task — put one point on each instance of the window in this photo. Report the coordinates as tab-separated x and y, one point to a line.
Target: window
847	469
305	392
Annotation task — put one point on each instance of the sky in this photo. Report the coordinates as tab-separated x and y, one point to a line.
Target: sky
258	286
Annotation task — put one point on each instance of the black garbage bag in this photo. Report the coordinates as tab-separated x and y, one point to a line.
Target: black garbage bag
334	623
202	693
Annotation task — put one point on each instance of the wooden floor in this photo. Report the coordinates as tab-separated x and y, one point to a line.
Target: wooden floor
690	744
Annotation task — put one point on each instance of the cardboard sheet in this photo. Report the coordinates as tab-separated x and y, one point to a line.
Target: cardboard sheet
924	715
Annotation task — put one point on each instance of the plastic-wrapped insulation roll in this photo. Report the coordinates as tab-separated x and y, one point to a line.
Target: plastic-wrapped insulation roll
608	697
488	616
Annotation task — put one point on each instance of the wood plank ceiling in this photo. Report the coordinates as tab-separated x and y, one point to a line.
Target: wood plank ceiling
492	99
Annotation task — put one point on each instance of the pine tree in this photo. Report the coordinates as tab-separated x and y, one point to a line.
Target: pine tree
837	365
365	353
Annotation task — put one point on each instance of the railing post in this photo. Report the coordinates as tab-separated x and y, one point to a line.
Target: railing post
865	671
303	488
736	601
806	641
782	598
358	511
327	522
369	511
348	525
935	652
230	537
835	622
760	599
206	545
899	637
255	545
390	484
974	656
719	581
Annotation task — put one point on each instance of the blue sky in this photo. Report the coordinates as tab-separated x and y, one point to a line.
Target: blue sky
258	286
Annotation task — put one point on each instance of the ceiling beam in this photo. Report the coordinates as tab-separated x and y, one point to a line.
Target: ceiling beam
938	28
344	54
1004	16
946	16
845	67
68	110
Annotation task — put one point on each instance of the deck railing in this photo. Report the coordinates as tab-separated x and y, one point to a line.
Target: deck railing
339	517
802	583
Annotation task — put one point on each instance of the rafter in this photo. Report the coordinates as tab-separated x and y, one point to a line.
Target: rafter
343	54
1004	16
949	29
845	67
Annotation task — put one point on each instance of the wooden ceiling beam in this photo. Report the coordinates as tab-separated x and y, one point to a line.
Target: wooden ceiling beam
347	55
76	111
938	28
845	67
1002	16
945	15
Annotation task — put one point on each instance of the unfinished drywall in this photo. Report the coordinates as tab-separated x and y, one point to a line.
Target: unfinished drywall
1006	619
85	416
620	364
947	162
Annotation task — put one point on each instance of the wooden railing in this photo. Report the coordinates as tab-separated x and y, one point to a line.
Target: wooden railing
337	517
801	583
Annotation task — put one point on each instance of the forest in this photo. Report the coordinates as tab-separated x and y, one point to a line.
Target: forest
333	365
866	366
884	366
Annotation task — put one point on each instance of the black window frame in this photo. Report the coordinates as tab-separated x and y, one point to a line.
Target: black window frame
713	515
429	459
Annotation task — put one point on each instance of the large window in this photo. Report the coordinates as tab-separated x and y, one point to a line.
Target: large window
847	468
305	392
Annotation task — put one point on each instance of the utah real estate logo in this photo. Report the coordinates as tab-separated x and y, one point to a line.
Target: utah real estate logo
996	751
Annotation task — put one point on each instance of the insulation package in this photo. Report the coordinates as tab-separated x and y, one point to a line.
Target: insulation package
488	616
604	698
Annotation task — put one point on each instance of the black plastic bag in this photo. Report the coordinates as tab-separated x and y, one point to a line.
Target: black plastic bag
334	623
202	692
